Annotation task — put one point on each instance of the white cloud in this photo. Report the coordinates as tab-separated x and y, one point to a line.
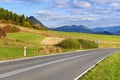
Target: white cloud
23	1
82	4
101	1
101	10
115	5
5	1
46	13
78	12
33	1
61	3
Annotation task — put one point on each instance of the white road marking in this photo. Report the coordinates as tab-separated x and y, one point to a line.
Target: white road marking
77	78
40	65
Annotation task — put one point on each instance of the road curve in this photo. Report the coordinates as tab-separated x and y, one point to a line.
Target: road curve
53	67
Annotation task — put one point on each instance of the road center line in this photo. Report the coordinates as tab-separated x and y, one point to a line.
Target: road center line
40	65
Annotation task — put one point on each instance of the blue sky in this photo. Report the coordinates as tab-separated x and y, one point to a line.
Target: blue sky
55	13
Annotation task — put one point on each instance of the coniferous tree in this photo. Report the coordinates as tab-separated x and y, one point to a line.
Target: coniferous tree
10	17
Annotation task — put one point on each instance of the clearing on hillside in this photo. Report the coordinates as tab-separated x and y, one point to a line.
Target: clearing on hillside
51	40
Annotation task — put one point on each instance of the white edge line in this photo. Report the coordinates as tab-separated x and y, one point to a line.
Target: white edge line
40	65
78	77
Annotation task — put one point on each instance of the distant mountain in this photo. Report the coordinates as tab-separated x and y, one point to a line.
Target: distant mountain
104	32
36	22
112	29
73	28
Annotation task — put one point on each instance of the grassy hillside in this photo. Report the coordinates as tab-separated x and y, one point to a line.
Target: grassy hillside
31	35
105	41
109	69
31	38
27	37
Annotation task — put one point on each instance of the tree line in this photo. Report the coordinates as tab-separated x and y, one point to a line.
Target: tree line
10	17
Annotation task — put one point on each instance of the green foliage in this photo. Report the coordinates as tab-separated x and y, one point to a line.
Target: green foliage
10	17
86	44
10	29
77	44
70	44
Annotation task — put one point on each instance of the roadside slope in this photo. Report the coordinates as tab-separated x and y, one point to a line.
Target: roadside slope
109	69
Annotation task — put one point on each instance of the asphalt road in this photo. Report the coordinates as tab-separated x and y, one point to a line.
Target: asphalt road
53	67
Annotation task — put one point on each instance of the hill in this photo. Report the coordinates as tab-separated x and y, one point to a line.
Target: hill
37	24
34	20
74	28
10	17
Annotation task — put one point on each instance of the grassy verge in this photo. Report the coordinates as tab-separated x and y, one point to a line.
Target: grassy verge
109	69
7	53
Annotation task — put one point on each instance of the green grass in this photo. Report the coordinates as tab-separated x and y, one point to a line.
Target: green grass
109	69
25	36
12	47
7	53
86	36
1	41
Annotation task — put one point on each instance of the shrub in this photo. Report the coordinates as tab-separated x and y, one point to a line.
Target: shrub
86	44
2	33
69	44
11	29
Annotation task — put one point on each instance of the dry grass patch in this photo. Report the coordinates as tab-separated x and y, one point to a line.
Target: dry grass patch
51	40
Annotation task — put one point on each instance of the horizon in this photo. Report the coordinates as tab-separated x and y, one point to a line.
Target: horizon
55	13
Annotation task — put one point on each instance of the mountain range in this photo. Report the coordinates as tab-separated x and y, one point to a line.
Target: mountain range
112	30
74	28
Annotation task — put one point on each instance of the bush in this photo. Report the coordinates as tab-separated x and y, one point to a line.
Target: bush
2	33
69	44
11	29
86	44
77	44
